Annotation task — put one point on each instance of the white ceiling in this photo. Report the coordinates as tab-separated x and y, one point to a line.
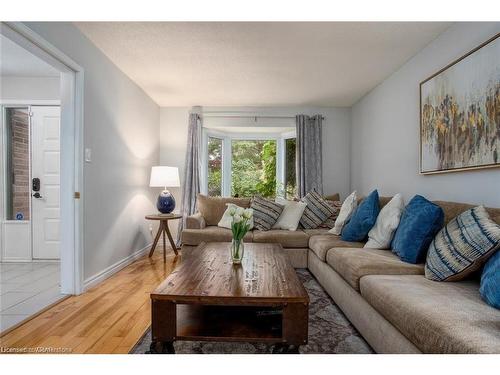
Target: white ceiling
258	63
16	61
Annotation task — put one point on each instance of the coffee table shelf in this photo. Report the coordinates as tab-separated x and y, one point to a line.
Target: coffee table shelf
228	323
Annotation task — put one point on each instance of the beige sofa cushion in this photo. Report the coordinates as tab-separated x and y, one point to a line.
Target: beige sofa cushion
212	208
211	233
316	231
436	317
284	237
453	209
333	197
352	264
195	221
320	244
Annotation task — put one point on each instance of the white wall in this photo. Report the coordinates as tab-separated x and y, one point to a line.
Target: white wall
121	126
29	88
336	127
385	129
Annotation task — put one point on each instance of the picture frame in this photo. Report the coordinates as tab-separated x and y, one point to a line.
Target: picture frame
460	113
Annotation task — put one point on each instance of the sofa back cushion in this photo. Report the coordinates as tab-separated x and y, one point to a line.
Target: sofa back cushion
212	208
382	201
333	197
453	209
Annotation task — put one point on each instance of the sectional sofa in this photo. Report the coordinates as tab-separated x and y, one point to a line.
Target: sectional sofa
390	302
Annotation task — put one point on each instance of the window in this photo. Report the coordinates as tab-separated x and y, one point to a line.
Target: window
214	166
17	172
290	181
253	168
242	164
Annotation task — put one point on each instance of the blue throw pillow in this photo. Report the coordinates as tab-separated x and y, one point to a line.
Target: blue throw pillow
420	222
362	220
490	281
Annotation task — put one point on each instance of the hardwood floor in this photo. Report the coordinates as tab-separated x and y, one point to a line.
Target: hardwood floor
109	318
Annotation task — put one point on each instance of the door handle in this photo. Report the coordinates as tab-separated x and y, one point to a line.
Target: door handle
37	195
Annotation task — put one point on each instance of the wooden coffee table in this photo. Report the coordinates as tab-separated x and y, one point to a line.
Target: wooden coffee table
207	298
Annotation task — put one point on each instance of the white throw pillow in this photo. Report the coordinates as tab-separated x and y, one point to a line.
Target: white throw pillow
227	219
346	211
380	236
291	214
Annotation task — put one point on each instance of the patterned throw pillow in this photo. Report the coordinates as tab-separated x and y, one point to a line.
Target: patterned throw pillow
329	223
462	246
316	212
265	213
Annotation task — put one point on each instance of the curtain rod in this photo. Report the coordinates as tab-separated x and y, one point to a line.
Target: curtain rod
249	116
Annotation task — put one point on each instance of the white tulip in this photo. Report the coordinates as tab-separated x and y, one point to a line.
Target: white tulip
237	218
248	213
239	211
232	211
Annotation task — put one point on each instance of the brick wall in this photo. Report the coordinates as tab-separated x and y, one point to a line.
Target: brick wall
20	163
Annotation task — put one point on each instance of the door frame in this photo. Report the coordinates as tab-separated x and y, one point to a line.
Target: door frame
72	90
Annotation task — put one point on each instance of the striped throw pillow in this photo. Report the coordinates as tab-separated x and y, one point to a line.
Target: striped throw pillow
316	211
265	213
462	246
330	221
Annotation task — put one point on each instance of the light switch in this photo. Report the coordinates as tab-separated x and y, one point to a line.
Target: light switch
88	155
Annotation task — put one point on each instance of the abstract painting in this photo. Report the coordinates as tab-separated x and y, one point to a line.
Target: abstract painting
460	113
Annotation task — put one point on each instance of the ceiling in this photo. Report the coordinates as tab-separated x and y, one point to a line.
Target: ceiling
16	61
259	63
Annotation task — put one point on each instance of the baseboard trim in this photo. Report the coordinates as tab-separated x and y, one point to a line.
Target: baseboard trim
114	268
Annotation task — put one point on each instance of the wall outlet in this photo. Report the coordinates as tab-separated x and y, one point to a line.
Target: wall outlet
88	155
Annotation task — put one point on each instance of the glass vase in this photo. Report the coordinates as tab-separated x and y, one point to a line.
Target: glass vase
237	250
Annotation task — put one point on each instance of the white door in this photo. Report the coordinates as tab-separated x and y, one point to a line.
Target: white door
45	206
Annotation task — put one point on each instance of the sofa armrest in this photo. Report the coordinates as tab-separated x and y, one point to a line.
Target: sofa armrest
195	221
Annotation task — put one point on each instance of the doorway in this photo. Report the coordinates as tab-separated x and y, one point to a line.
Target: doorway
30	268
40	177
31	226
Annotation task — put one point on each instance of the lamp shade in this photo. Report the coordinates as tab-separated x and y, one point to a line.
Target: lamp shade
164	177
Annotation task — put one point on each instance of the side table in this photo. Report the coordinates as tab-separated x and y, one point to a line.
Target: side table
163	218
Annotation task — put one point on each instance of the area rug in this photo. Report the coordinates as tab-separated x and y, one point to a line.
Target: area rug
329	331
